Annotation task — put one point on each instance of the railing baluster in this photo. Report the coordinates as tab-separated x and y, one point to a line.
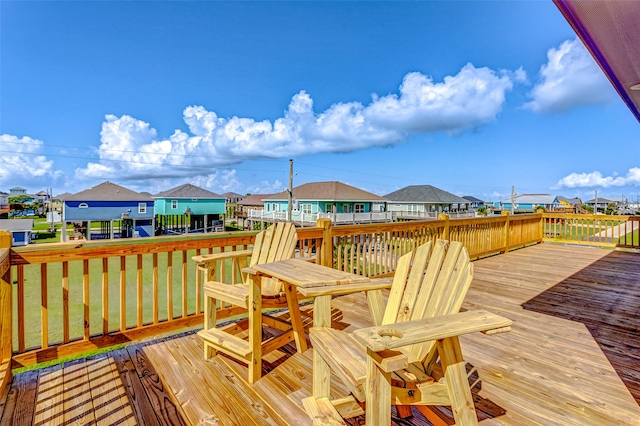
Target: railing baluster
154	283
85	299
139	307
105	295
123	293
65	302
170	285
21	325
44	309
184	284
198	286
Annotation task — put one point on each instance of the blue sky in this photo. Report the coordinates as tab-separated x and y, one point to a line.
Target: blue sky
472	97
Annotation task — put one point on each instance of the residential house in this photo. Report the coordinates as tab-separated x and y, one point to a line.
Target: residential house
4	205
475	202
20	230
420	201
338	201
573	205
253	202
121	212
189	208
600	204
17	190
232	198
528	203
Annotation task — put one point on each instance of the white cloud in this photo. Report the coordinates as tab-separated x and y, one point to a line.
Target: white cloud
595	179
266	187
469	99
131	149
23	162
570	78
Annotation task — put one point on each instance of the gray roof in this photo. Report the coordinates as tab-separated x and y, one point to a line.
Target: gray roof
601	200
472	199
108	191
187	191
62	196
232	195
16	224
571	201
424	194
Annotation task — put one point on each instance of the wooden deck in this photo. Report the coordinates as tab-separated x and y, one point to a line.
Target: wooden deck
572	358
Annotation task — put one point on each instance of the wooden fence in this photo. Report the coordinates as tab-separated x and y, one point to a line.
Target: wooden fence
70	298
589	229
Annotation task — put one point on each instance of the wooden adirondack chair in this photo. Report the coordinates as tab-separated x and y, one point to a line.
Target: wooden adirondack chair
413	358
278	242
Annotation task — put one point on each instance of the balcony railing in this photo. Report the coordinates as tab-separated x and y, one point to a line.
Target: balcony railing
61	299
349	218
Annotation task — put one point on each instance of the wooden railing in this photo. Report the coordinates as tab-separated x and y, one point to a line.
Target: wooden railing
589	229
74	297
6	326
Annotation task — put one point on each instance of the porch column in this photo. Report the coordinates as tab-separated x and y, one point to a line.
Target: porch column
88	230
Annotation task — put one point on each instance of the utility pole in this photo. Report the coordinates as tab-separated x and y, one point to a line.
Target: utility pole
513	198
290	204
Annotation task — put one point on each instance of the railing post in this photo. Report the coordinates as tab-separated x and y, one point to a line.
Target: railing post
506	230
6	313
445	217
326	250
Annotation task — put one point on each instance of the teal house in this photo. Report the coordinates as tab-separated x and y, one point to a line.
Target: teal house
528	203
189	208
325	197
337	201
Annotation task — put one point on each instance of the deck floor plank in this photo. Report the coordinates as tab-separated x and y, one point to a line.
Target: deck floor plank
77	403
161	400
571	358
49	403
21	402
134	389
108	394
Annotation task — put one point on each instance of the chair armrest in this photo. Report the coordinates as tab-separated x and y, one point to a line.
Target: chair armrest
207	258
343	289
393	336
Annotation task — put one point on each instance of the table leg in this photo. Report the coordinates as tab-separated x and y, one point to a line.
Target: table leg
321	370
295	317
255	327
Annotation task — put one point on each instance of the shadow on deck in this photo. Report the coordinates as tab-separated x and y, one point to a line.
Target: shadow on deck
605	297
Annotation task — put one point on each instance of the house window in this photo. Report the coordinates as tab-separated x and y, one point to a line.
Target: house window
142	208
174	204
413	208
359	207
83	206
329	208
346	208
306	208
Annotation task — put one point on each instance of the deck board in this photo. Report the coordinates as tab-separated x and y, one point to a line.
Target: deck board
571	358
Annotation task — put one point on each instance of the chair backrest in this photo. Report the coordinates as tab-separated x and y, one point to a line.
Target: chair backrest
277	242
428	284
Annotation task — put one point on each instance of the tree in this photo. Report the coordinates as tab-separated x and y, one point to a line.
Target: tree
483	211
612	208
